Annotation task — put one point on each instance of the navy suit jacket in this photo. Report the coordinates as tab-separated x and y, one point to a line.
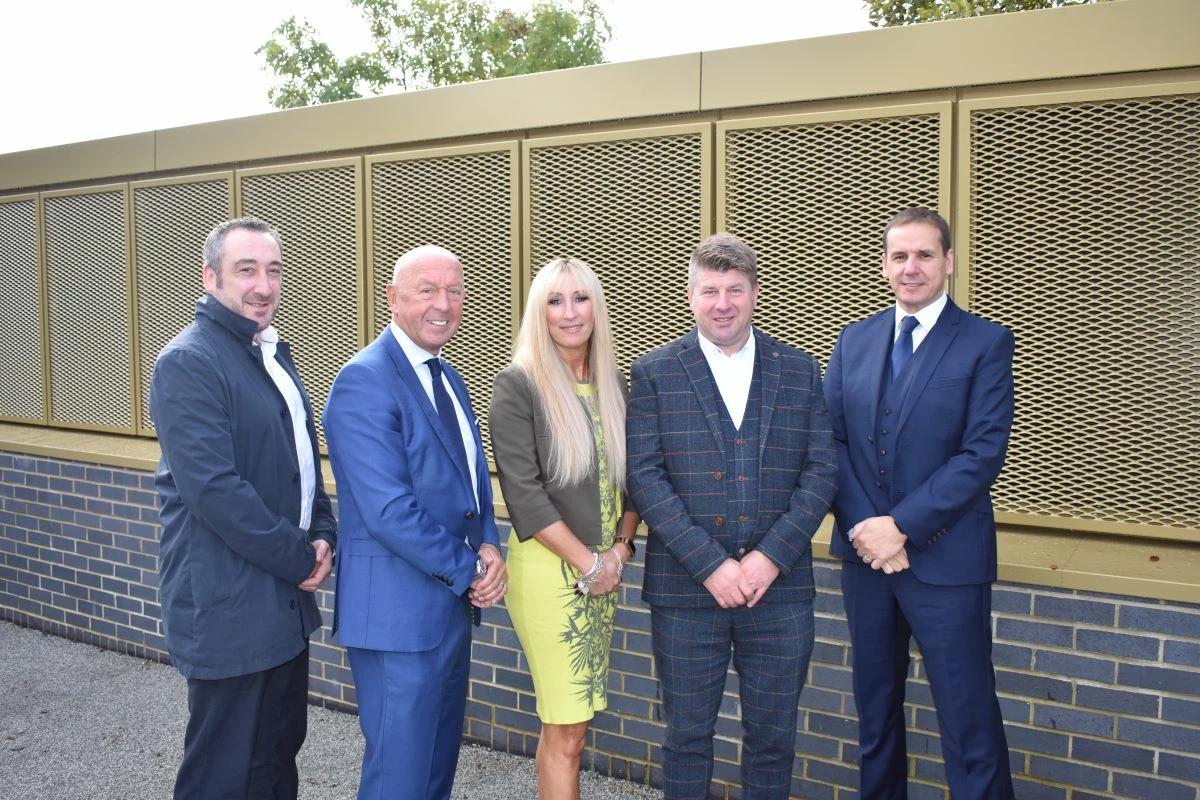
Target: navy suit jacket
676	465
405	503
948	439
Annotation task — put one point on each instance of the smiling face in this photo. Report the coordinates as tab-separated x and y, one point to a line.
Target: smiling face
916	265
723	305
248	279
569	317
426	297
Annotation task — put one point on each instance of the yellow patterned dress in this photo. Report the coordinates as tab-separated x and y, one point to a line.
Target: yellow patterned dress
566	636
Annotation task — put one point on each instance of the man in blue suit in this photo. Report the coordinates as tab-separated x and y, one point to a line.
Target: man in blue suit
921	397
420	545
731	464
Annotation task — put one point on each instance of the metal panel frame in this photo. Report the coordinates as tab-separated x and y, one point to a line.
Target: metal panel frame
135	296
39	267
510	146
131	367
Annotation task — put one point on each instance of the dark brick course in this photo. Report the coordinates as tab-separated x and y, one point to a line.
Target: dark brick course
1099	691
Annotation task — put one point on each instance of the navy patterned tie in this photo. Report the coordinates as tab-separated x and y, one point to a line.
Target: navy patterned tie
445	409
902	350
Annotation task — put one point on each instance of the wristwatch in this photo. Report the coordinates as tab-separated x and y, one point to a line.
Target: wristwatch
480	570
628	542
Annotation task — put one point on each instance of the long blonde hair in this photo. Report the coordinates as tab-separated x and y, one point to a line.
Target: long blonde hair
572	450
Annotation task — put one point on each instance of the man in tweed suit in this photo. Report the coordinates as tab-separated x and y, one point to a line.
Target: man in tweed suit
731	464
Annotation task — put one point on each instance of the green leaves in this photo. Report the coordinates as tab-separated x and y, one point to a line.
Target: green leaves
885	13
423	43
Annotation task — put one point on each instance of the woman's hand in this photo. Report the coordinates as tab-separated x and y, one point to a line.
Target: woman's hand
610	573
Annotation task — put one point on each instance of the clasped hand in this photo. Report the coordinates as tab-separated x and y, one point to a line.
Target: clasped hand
610	574
322	565
488	590
880	544
742	583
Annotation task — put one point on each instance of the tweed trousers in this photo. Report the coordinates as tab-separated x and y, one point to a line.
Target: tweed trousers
771	645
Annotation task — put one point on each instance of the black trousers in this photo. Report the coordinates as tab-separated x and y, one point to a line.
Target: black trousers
243	735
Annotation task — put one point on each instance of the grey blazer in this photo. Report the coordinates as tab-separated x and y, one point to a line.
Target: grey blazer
521	448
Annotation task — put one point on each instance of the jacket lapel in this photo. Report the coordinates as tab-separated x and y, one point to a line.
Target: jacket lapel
418	397
768	362
930	353
703	385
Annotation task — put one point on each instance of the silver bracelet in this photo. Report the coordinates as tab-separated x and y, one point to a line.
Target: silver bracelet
588	579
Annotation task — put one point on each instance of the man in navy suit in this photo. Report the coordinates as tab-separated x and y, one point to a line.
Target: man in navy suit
420	545
921	396
732	467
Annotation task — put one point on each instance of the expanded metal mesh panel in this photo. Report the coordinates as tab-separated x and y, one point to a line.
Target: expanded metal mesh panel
170	225
20	315
1085	239
88	309
812	199
465	204
316	213
632	209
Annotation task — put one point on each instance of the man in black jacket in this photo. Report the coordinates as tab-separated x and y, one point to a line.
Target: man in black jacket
247	529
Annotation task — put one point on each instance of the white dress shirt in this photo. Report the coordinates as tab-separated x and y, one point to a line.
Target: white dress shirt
732	374
268	342
417	356
927	317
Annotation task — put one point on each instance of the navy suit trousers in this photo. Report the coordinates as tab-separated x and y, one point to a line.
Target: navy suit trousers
243	735
952	626
771	645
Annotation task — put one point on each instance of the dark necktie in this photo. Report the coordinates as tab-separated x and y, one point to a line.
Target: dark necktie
445	409
902	350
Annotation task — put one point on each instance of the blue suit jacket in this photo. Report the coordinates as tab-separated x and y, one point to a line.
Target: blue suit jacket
405	504
676	460
949	440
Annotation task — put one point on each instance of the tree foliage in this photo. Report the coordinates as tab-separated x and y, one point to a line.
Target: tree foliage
423	43
885	13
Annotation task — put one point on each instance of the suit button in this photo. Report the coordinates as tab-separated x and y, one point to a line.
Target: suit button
883	432
741	551
469	515
739	442
880	485
887	412
742	518
718	475
882	452
741	478
719	521
870	440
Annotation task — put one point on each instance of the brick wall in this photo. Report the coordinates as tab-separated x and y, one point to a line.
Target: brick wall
1101	693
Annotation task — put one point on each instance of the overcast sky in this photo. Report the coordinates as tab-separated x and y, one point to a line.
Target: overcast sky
75	70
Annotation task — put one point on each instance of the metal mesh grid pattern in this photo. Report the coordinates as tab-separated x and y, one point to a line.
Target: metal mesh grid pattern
316	212
1085	240
170	225
88	310
632	209
465	203
812	200
20	313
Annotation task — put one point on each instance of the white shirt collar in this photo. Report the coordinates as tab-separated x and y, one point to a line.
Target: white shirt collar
712	351
412	351
927	317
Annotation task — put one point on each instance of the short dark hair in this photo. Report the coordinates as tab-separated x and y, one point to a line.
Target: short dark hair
910	216
722	252
214	245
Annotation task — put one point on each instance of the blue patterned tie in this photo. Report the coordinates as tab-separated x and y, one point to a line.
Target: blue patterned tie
902	350
445	409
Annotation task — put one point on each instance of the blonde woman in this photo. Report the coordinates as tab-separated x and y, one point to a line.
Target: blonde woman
558	437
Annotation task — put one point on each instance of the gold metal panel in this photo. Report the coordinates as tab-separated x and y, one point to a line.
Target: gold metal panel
632	205
657	86
21	364
1097	39
463	199
82	161
1085	239
171	220
317	209
87	290
812	192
